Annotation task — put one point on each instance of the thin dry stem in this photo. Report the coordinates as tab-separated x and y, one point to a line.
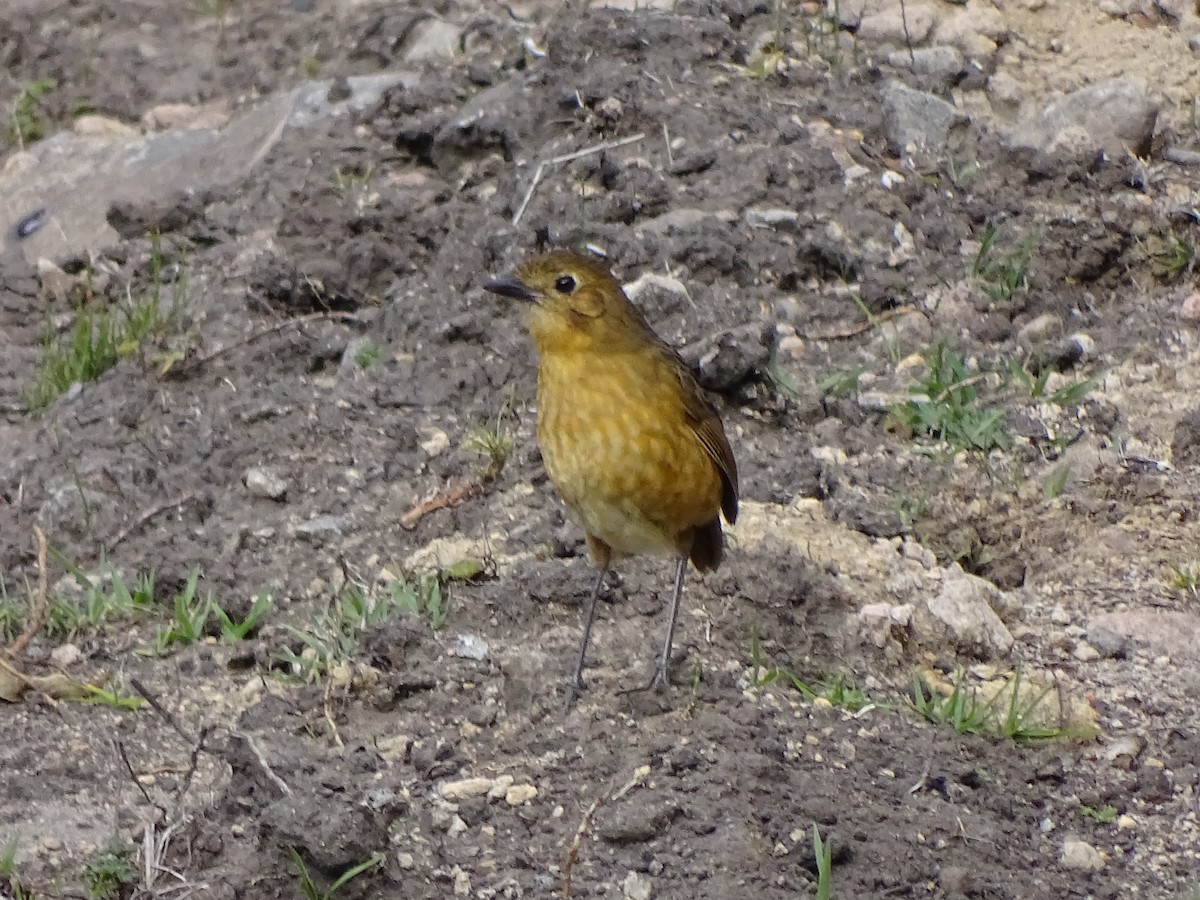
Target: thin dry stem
41	600
568	157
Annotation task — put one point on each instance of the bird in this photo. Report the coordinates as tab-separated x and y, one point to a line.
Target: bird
628	437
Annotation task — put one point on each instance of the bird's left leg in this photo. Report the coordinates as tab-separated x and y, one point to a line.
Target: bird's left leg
660	680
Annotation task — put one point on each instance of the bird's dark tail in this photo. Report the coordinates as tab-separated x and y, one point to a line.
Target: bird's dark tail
708	546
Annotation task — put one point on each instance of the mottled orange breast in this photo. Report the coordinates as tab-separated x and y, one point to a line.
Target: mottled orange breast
618	445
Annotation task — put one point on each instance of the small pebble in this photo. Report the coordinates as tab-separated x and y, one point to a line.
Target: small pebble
503	783
1086	653
636	887
771	218
1109	643
520	794
1190	309
1077	854
466	787
264	481
321	530
434	441
65	655
471	646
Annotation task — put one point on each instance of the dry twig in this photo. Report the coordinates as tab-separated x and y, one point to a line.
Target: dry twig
585	823
577	842
409	520
198	743
41	601
327	704
147	516
262	761
120	746
568	157
323	316
860	327
154	851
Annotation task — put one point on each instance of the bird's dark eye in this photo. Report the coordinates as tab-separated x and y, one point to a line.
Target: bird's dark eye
564	284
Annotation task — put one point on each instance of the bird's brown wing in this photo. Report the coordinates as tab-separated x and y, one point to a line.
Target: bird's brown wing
706	424
701	415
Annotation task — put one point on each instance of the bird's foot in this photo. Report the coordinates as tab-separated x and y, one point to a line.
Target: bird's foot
575	688
658	682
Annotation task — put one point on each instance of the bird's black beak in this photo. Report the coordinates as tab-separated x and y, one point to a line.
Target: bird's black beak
509	286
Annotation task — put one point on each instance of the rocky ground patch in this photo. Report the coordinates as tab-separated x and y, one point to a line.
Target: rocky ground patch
287	595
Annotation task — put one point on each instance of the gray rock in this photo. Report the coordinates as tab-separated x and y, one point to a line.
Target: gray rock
432	38
732	357
650	286
784	219
1123	751
851	12
940	63
1121	9
265	481
917	121
55	281
321	530
879	393
909	24
470	646
958	881
693	162
315	101
639	5
633	823
481	126
65	655
1177	10
1085	653
1117	116
963	615
1108	644
636	887
1176	634
1081	855
1038	329
78	179
1063	355
1005	94
1185	441
975	30
677	220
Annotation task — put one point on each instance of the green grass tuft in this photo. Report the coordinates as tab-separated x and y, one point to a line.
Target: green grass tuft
109	873
823	852
946	405
309	887
1006	714
103	334
1003	272
27	120
334	637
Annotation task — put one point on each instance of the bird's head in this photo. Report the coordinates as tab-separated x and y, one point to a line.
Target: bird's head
574	303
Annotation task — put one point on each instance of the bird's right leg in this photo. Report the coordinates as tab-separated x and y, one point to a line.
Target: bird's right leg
577	685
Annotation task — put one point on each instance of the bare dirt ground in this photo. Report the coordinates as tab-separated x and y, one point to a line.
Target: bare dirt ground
826	270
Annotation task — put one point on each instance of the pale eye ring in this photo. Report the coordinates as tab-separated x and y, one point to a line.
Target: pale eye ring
564	284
